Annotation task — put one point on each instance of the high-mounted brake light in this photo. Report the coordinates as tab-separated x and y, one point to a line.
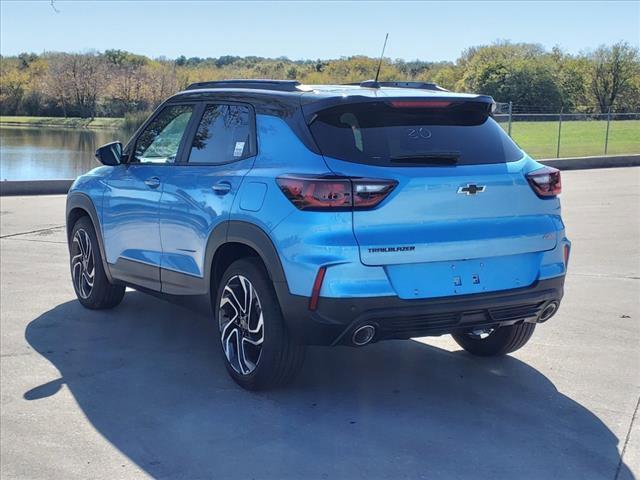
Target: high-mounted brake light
545	181
419	104
334	193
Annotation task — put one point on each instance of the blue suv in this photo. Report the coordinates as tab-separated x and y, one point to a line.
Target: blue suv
325	215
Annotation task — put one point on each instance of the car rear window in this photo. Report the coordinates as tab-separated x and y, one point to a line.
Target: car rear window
403	134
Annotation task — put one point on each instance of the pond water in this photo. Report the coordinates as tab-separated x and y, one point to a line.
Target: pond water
34	153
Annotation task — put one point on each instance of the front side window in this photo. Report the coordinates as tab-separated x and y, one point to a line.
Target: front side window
160	140
224	135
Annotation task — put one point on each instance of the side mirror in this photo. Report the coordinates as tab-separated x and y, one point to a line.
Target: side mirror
110	154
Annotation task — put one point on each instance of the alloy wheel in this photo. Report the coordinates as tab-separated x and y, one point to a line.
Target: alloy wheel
83	267
241	324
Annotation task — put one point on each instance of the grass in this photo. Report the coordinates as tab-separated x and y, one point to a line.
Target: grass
538	139
68	122
578	138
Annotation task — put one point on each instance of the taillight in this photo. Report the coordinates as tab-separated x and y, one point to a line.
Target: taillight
545	181
567	251
334	193
367	193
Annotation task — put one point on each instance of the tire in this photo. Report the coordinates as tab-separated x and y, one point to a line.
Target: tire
93	289
259	355
501	341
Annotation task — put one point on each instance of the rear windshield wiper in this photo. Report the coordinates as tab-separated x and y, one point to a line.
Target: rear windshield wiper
436	158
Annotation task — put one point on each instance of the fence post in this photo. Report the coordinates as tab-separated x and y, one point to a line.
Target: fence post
510	112
559	133
606	137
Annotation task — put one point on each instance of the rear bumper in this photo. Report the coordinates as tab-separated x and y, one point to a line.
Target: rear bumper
336	318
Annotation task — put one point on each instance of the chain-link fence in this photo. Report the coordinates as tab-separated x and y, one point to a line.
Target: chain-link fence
546	134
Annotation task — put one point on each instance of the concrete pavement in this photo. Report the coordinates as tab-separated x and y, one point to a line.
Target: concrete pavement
141	391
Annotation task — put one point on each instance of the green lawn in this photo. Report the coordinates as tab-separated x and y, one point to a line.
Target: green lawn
578	138
73	122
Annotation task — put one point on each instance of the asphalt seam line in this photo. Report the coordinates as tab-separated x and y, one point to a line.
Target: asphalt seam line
604	275
35	240
626	440
32	231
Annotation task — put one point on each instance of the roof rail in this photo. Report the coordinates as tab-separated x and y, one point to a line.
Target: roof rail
280	85
416	85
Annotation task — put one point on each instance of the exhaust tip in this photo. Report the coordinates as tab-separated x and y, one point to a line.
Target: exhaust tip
548	311
363	335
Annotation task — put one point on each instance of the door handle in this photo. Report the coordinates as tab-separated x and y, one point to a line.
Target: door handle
152	182
221	188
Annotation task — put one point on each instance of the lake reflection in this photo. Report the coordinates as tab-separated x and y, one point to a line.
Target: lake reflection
42	153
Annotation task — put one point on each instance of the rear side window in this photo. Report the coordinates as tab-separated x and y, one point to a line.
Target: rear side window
224	135
379	133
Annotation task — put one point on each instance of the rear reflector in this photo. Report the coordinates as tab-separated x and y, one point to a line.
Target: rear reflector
334	193
317	286
545	181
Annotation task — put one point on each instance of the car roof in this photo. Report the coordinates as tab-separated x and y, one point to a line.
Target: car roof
327	91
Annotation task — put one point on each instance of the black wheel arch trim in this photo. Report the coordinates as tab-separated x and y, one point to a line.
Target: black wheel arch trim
251	235
79	200
256	238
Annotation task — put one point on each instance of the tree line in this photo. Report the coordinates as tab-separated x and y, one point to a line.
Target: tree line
117	83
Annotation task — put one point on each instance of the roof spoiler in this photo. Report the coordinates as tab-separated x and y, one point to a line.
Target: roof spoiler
483	103
414	85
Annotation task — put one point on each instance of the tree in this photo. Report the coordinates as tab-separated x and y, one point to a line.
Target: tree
447	77
160	81
613	70
520	73
571	76
77	80
292	73
126	78
12	87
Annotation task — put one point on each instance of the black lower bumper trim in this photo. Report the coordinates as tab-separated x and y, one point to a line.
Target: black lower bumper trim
336	318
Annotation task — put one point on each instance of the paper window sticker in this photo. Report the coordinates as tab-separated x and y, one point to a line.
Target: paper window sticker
237	151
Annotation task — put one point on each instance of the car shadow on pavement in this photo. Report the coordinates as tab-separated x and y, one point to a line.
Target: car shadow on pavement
150	378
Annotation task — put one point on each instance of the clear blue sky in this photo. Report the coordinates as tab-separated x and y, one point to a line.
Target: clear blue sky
309	29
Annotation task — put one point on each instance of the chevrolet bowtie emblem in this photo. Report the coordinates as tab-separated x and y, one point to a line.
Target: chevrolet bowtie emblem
471	189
